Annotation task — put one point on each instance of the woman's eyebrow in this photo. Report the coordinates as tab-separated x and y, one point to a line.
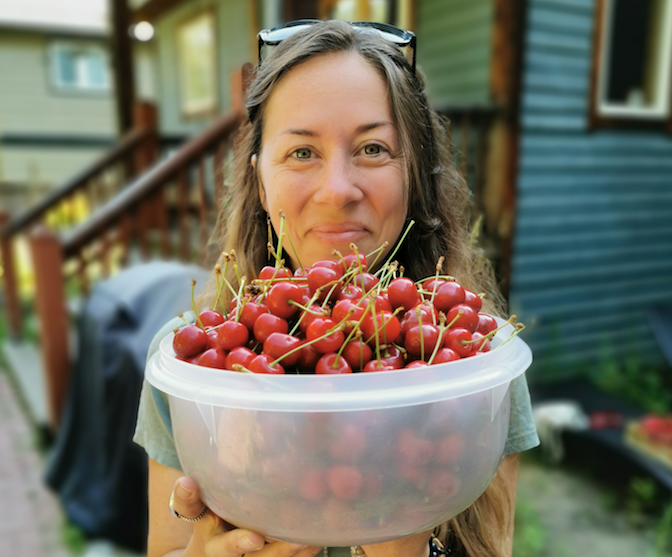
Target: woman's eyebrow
359	130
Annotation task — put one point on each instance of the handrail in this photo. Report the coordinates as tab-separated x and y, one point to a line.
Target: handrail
125	146
148	183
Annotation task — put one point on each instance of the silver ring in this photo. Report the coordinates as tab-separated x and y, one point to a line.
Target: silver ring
178	515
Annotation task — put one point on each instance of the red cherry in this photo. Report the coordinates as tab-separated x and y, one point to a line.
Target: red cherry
428	286
450	294
313	486
232	334
467	317
268	323
249	314
392	355
482	345
350	443
341	309
239	355
328	264
308	358
280	297
412	449
384	325
420	340
449	449
332	364
379	365
472	299
444	355
453	339
307	317
417	363
366	281
263	363
357	353
330	343
344	481
213	338
402	292
189	341
212	357
486	323
326	280
210	318
351	292
268	272
383	303
278	344
354	261
427	312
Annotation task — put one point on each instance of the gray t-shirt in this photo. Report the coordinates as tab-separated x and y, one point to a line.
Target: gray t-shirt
154	431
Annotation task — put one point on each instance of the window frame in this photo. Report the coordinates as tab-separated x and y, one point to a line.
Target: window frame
597	118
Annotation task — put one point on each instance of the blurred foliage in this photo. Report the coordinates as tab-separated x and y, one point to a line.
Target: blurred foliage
529	535
627	378
73	538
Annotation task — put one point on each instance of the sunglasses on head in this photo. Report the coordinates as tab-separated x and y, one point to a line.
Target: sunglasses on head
392	34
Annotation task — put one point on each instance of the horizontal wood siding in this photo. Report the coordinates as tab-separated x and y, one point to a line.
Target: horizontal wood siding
593	242
454	44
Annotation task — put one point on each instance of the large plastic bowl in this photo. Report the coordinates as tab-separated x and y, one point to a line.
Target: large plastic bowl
341	460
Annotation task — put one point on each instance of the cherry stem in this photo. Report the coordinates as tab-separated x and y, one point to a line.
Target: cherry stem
355	329
241	367
377	252
307	343
280	237
239	299
283	226
459	314
442	330
303	313
385	324
193	305
401	241
439	268
516	332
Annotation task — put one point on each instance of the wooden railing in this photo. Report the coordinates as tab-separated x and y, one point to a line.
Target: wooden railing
168	212
69	204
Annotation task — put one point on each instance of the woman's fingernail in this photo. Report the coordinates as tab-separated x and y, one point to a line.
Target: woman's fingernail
182	491
249	543
298	546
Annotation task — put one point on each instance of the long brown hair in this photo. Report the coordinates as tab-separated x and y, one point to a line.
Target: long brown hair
438	202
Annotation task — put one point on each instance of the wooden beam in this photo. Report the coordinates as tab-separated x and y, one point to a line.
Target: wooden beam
122	56
510	23
153	9
9	279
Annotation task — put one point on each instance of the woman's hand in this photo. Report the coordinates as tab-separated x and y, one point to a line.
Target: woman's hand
209	536
214	537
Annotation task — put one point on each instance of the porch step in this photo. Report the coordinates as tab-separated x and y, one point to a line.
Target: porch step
25	366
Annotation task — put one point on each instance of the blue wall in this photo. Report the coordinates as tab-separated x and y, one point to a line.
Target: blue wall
593	241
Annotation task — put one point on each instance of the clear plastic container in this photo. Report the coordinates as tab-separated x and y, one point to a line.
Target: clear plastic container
347	459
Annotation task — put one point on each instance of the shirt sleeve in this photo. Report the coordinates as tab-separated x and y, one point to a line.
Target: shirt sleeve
522	430
153	429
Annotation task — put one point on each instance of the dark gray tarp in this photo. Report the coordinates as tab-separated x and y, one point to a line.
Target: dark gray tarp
98	472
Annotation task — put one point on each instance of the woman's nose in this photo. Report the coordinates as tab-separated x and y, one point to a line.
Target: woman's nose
338	184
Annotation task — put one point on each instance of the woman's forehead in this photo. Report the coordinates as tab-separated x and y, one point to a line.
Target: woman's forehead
326	83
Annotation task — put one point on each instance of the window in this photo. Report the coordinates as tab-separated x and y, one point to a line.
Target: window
197	65
77	67
633	62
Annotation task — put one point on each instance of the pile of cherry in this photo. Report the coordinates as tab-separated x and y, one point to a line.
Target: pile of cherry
336	317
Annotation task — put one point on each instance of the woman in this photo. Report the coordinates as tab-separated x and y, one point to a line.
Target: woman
340	139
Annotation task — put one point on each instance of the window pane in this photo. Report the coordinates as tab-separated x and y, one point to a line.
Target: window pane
96	70
67	67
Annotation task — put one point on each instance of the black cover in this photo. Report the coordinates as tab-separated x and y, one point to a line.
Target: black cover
95	468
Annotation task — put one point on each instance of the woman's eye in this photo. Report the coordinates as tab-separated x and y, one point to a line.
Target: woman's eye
302	153
372	149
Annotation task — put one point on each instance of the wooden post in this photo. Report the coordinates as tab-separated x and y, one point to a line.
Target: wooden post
145	117
53	318
122	51
9	280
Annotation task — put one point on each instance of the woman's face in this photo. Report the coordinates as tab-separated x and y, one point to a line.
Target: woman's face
330	159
